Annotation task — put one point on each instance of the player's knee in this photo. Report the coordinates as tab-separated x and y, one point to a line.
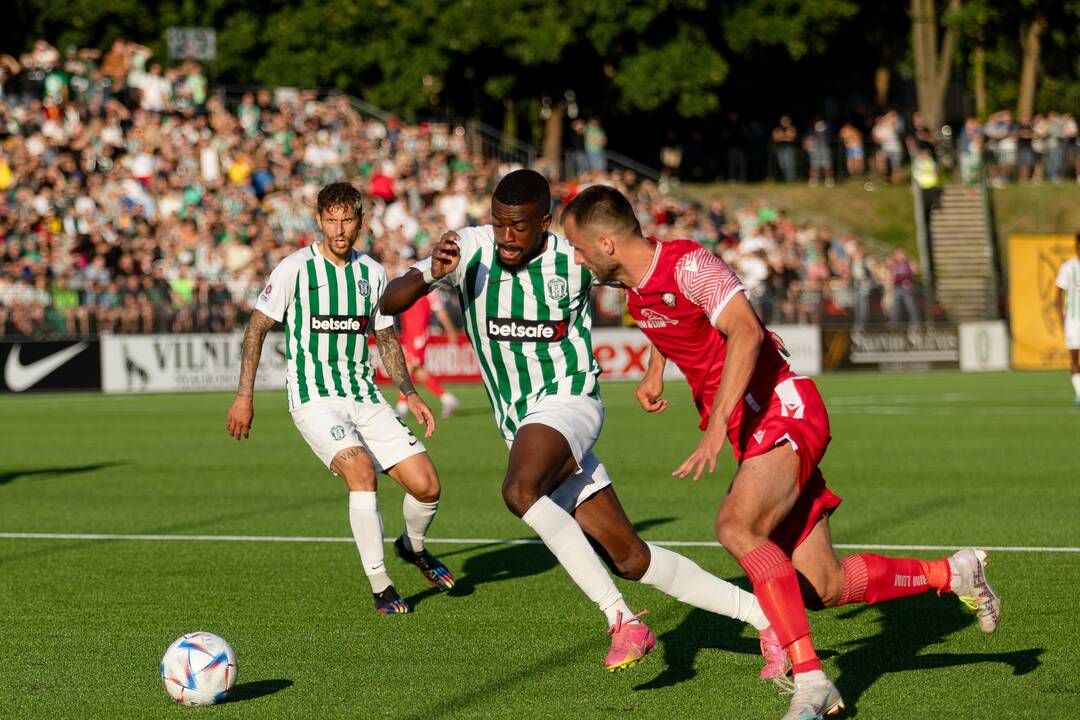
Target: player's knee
355	468
732	533
519	496
427	488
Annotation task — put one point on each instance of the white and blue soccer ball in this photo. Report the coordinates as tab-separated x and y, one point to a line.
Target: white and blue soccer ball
199	668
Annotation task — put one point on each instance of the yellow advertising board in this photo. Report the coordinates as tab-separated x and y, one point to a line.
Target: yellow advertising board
1038	341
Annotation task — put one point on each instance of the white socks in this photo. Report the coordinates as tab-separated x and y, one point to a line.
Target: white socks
418	516
367	530
566	541
684	580
1076	384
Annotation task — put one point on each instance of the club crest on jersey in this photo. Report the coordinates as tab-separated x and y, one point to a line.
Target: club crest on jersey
669	299
557	288
337	432
363	287
652	319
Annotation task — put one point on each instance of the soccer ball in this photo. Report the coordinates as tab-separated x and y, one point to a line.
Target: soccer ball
199	668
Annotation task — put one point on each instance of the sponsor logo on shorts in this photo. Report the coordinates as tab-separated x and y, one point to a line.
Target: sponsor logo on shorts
652	319
759	436
527	330
355	324
337	432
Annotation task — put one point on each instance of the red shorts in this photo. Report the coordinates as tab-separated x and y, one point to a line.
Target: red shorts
795	416
415	348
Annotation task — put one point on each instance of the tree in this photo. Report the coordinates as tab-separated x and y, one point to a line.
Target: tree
932	67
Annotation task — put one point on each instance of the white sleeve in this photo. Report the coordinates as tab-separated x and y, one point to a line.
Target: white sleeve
707	281
274	299
1063	275
378	320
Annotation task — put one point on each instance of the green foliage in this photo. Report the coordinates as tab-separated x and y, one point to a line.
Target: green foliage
802	27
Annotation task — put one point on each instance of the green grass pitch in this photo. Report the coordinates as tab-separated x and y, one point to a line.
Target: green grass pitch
939	459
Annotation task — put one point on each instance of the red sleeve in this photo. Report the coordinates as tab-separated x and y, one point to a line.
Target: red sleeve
707	281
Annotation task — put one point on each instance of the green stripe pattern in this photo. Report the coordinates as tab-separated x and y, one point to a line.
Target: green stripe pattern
330	364
552	287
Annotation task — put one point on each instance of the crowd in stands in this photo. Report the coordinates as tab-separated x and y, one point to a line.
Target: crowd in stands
133	200
1003	149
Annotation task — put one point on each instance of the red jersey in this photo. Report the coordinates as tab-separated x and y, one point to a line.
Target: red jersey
676	305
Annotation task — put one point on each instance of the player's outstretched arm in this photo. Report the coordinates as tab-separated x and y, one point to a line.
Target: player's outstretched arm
238	421
744	334
402	292
651	386
393	360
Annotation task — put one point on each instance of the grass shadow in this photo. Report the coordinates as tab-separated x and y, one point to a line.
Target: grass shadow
701	630
257	689
907	628
46	472
504	562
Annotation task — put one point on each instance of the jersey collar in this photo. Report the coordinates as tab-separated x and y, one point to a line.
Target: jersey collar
652	266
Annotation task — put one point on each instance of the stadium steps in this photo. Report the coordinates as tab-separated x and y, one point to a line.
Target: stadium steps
961	238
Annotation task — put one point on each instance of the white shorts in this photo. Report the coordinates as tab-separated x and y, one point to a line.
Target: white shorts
579	419
1072	334
330	425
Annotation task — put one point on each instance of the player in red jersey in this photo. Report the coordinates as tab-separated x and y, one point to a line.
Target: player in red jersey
415	323
775	518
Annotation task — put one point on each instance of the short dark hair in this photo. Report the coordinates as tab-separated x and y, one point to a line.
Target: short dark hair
524	187
602	205
339	194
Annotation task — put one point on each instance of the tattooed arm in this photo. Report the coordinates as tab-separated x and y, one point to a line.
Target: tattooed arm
238	422
393	360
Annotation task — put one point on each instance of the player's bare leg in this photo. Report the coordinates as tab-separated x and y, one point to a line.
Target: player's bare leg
603	519
355	467
872	578
417	477
1074	359
540	459
764	491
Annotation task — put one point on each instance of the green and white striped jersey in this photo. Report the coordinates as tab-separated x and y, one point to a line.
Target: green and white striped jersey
531	330
1068	279
327	311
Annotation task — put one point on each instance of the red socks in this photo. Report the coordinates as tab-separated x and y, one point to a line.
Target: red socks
434	386
875	578
777	589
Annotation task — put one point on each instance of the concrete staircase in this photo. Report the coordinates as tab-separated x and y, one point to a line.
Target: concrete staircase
962	247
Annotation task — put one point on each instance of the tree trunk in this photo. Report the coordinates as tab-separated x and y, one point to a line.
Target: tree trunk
980	82
931	69
882	78
1032	46
553	135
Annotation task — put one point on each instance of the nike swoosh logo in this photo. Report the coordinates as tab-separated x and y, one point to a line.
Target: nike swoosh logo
19	377
413	441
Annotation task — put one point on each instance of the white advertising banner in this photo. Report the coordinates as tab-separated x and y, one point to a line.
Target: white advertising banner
984	346
170	363
623	353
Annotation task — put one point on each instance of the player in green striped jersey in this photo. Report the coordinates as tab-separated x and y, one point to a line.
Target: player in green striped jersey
327	296
526	308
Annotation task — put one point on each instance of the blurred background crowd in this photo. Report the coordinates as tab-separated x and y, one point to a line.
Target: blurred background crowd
134	199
